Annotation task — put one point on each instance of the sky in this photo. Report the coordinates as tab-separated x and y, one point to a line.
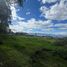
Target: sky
40	16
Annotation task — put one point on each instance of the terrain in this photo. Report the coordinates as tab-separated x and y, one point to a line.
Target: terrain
32	51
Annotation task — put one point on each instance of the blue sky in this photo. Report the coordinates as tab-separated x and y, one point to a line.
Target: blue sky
40	16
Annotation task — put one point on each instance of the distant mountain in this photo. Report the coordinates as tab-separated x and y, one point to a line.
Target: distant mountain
47	35
39	34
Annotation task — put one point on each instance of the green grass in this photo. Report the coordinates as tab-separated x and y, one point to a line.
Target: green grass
28	51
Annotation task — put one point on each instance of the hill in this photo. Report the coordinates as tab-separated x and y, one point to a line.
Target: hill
30	51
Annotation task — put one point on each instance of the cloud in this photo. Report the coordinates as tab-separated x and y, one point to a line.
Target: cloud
16	28
38	25
28	13
61	26
44	9
14	14
31	25
56	12
20	18
62	33
45	27
47	1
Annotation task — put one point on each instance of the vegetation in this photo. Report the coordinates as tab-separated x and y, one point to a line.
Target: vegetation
28	51
5	14
31	51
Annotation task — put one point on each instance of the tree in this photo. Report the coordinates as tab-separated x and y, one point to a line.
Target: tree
5	14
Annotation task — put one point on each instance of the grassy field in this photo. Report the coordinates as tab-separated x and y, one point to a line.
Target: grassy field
31	51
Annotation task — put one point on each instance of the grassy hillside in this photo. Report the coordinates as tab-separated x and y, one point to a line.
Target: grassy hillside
28	51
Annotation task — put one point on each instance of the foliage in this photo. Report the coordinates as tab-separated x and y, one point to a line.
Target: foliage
4	17
5	14
30	51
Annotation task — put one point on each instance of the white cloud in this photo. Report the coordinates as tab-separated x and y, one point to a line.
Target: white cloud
61	26
44	9
48	1
16	28
28	13
20	18
30	25
56	12
14	14
62	33
45	27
